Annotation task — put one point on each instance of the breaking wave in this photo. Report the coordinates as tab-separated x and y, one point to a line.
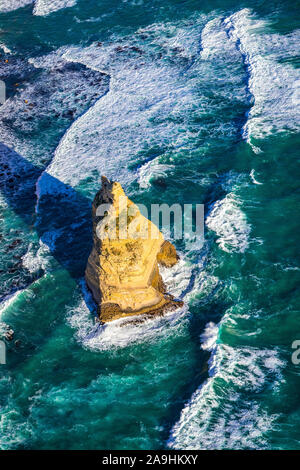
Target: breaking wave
219	416
45	7
11	5
230	224
41	7
274	86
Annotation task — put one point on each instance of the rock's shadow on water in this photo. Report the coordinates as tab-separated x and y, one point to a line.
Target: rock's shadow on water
61	218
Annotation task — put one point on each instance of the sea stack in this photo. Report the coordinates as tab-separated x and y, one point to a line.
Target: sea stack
123	268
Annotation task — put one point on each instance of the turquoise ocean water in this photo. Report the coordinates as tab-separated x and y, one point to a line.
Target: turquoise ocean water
181	101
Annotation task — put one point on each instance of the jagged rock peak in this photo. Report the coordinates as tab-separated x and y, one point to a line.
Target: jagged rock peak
123	268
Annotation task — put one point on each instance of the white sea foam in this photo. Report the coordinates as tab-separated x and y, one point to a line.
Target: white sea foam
13	429
155	77
229	222
59	96
209	336
150	170
218	415
244	427
4	327
188	279
222	62
121	333
41	7
117	127
252	176
45	7
34	260
215	44
5	49
178	277
11	5
50	61
275	86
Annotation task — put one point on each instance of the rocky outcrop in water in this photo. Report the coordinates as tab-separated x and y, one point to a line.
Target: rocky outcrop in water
122	270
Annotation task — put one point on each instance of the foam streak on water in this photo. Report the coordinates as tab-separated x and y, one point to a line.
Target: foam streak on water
117	126
218	415
45	7
41	7
229	222
274	86
154	86
11	5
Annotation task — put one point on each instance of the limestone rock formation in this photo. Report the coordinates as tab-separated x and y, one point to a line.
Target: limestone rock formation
122	270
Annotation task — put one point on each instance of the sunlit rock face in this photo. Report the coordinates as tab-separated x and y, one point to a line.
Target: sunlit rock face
122	270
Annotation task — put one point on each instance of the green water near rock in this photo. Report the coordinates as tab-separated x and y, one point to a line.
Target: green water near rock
180	102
